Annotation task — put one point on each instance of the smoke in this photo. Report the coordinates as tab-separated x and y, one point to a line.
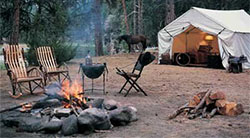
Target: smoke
80	30
80	27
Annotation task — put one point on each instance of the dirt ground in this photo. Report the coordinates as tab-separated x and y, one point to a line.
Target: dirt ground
168	87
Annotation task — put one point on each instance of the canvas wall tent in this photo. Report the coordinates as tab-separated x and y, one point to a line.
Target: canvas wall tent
231	28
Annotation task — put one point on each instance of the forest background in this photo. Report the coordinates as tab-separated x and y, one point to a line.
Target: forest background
72	27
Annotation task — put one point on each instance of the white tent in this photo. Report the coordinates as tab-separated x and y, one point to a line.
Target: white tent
231	27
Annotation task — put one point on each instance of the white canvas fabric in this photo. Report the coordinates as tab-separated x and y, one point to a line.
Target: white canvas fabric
231	27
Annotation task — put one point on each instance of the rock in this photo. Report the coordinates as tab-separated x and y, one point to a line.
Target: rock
70	126
52	127
46	111
53	91
31	124
47	103
62	112
133	111
97	103
85	124
123	115
23	121
93	118
13	118
55	119
110	104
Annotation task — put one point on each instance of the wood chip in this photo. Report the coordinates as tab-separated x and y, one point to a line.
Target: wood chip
217	96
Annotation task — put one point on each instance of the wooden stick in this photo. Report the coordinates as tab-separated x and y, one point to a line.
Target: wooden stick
179	111
204	114
74	110
17	106
197	113
212	113
202	102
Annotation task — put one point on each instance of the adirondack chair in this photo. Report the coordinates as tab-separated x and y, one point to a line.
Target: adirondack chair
132	77
19	75
48	65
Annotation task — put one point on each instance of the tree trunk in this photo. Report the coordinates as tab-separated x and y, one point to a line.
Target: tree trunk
140	11
170	11
98	28
135	18
15	28
125	15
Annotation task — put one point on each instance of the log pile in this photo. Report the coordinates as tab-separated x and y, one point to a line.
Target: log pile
206	105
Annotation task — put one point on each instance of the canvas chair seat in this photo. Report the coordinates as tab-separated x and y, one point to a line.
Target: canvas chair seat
48	65
18	73
132	77
130	74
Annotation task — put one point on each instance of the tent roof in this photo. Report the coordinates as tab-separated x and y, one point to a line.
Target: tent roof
234	20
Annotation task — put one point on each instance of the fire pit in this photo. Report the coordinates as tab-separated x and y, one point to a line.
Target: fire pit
66	110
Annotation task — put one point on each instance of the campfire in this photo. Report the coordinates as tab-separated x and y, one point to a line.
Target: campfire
207	104
74	97
67	110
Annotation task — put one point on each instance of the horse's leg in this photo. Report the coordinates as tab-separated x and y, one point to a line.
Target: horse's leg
129	48
144	44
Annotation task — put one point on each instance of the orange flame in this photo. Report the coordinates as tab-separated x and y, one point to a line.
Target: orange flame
72	90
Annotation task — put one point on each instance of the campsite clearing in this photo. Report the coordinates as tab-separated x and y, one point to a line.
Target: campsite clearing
168	87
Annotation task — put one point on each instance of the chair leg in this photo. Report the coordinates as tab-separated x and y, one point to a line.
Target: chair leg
13	89
123	86
104	83
141	89
134	85
30	88
59	79
20	89
45	80
92	86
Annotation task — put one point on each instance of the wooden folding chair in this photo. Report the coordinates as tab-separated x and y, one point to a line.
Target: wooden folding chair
18	73
132	77
47	62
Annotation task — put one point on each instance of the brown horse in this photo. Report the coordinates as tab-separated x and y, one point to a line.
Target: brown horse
133	39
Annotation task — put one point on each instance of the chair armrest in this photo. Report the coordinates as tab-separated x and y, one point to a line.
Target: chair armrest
64	66
11	74
34	70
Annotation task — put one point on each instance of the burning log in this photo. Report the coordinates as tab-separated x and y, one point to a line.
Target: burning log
207	104
74	110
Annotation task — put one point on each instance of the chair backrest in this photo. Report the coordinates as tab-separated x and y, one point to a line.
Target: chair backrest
143	60
45	58
14	60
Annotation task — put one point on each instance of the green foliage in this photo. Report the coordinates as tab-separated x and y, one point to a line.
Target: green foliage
2	66
63	52
55	22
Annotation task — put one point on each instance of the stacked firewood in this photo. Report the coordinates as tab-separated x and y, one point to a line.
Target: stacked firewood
207	104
